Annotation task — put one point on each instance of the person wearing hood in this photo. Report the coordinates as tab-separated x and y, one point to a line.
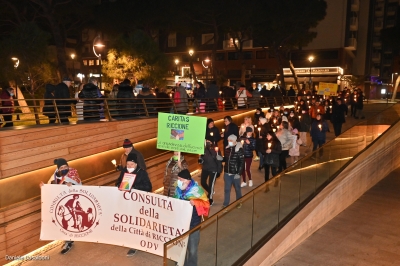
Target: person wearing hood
142	181
125	104
181	100
212	132
7	106
149	100
65	175
174	165
92	109
233	168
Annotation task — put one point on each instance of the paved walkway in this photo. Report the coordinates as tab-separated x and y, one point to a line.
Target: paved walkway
366	233
102	254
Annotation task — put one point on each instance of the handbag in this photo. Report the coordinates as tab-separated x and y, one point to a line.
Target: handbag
219	164
271	159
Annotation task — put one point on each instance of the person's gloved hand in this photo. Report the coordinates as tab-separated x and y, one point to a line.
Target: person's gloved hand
237	176
219	157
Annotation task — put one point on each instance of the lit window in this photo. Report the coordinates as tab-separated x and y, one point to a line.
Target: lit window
85	62
91	62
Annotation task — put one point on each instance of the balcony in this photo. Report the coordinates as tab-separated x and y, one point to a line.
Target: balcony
355	5
229	45
354	24
376	57
351	44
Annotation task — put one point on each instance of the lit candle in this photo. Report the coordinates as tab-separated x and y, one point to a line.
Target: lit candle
317	110
216	149
259	129
114	162
309	107
242	141
274	121
135	94
211	134
255	126
308	102
223	102
274	129
299	116
320	126
262	96
269	145
277	127
220	92
170	95
295	102
223	130
330	106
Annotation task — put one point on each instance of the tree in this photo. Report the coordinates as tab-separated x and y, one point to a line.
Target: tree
287	25
138	55
35	69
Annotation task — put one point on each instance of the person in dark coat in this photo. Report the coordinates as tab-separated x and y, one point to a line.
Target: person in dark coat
319	127
359	105
261	134
249	145
125	105
339	110
48	108
200	98
212	132
164	102
7	106
61	94
209	171
92	108
291	92
229	94
272	151
259	113
142	180
149	100
212	95
230	129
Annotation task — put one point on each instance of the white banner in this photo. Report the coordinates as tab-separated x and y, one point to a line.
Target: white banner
136	219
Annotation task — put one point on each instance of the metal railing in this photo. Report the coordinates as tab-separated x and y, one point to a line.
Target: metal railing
52	111
233	235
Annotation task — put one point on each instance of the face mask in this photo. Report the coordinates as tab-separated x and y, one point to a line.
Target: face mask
11	94
130	170
291	115
285	113
64	172
180	184
230	143
303	112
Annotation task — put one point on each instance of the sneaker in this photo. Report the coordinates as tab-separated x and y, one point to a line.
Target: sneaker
211	202
67	247
239	205
131	252
250	183
256	159
243	184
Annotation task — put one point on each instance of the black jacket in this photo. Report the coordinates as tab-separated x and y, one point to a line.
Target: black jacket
338	114
216	135
210	162
48	95
125	105
260	142
248	148
234	159
91	106
142	181
63	106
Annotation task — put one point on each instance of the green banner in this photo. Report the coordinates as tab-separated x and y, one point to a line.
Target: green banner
181	133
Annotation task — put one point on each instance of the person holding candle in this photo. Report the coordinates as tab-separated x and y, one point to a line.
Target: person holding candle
259	113
261	134
294	122
339	110
230	129
211	168
305	122
249	145
359	105
233	167
173	166
316	109
212	132
328	110
353	103
247	123
318	133
286	139
273	149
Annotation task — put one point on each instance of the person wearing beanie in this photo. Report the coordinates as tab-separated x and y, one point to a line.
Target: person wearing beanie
230	129
173	166
188	189
233	168
212	132
128	148
142	180
249	145
65	175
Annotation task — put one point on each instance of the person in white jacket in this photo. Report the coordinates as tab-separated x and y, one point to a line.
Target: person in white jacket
285	137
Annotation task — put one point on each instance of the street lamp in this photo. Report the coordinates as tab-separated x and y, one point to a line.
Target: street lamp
97	43
176	63
73	66
191	52
16	64
207	61
311	59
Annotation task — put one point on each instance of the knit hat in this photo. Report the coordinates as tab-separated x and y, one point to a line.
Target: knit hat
132	157
249	129
209	120
127	143
232	137
263	120
185	174
60	162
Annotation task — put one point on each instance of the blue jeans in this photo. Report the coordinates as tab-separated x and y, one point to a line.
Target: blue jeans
261	156
191	252
229	181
